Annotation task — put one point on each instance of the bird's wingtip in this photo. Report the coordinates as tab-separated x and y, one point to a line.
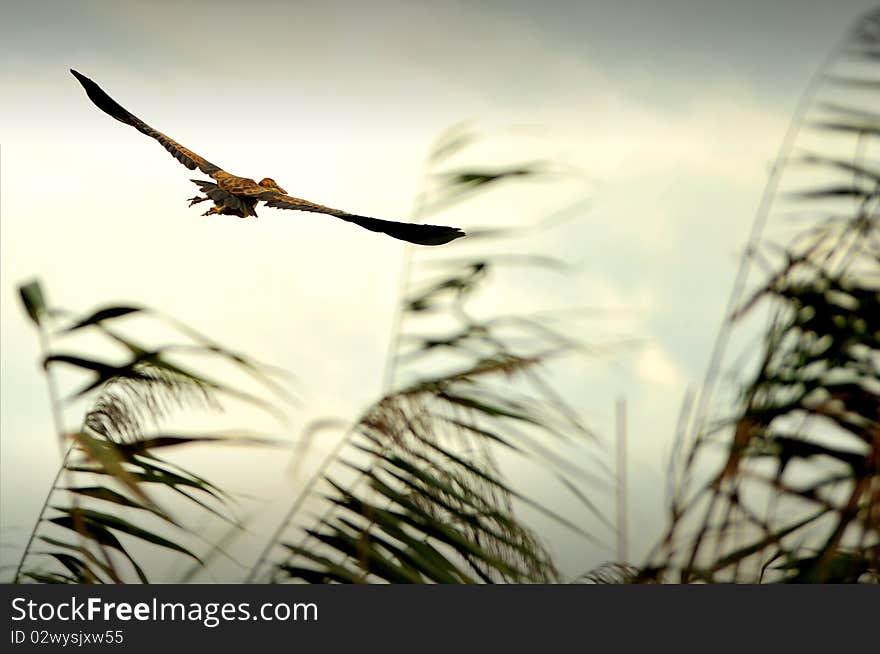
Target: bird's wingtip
440	235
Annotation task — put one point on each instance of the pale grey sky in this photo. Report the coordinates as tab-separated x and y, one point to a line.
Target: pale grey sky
672	111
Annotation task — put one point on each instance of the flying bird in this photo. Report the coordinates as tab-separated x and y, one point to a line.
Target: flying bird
238	196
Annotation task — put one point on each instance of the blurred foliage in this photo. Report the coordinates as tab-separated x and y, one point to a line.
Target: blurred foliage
610	573
796	496
101	502
422	498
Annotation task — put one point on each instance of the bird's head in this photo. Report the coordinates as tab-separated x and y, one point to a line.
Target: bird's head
271	184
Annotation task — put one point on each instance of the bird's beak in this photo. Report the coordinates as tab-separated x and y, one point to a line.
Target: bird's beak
280	190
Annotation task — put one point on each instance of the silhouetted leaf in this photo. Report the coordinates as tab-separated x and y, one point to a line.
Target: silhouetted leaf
33	300
103	314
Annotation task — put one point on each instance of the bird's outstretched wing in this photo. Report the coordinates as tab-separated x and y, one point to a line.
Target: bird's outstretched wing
410	232
109	106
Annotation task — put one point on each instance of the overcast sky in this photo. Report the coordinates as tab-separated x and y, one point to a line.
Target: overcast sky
671	111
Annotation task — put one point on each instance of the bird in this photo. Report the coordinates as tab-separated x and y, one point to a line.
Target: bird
239	196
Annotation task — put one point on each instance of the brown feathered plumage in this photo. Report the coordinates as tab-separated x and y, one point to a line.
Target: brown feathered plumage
238	196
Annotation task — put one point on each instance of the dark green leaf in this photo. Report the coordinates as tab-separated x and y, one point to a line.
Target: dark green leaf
33	300
103	314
